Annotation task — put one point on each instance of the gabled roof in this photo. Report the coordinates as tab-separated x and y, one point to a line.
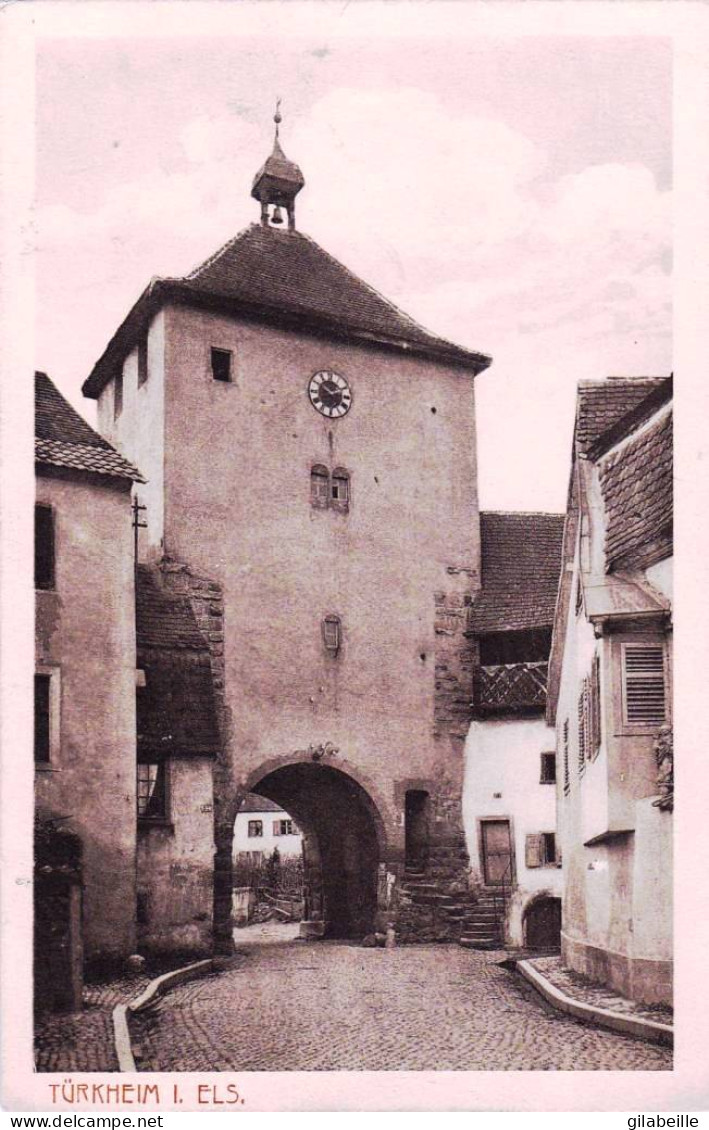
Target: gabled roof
286	278
601	404
176	708
521	561
252	802
64	439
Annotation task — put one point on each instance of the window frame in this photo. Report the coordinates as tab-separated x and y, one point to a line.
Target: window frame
143	367
334	621
216	351
161	818
319	486
118	395
53	674
545	778
254	830
340	475
50	584
640	728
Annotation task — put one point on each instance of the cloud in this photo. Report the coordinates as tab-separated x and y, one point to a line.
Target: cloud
457	217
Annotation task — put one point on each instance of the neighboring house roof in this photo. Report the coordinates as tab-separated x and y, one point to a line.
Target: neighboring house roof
521	560
636	484
64	439
617	438
287	278
176	707
252	802
601	404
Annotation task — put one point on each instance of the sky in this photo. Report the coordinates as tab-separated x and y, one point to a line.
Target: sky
512	194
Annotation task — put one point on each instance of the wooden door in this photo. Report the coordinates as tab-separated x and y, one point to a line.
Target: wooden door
497	852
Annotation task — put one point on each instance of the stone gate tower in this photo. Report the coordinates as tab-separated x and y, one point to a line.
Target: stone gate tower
310	454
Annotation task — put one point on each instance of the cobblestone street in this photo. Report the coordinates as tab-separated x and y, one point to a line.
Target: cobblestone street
286	1005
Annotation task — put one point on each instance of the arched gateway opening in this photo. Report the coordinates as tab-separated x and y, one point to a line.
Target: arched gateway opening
342	846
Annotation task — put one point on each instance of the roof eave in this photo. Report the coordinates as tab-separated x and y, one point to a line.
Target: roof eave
161	291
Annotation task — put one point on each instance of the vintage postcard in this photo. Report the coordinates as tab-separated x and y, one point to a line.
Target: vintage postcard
338	720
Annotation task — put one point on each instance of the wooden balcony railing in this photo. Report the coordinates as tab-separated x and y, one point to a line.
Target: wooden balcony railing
511	686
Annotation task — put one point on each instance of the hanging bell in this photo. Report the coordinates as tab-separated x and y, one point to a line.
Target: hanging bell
277	217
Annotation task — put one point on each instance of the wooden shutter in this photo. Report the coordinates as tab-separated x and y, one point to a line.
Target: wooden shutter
582	732
567	779
276	827
595	709
644	692
533	849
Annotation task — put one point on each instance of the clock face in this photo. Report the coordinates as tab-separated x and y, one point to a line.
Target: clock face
330	394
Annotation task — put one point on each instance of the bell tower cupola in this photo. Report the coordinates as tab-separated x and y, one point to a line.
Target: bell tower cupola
277	183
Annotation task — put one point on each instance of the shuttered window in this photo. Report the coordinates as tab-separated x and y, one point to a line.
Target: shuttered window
644	689
567	779
540	849
582	712
595	709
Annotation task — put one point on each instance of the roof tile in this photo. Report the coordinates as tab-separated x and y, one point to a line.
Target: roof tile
64	439
521	561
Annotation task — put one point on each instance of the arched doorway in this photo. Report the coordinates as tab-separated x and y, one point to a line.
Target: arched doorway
341	844
542	924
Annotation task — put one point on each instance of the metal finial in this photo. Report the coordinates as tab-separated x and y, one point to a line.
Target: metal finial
277	116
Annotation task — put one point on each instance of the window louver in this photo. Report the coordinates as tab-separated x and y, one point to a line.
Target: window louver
645	695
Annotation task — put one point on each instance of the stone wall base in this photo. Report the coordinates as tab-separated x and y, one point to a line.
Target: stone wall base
642	979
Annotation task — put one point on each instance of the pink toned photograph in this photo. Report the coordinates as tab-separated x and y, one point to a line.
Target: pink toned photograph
353	552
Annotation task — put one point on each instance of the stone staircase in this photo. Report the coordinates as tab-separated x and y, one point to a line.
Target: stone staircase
430	913
482	929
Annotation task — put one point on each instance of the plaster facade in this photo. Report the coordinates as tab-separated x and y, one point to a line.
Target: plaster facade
85	642
398	568
503	782
616	840
289	844
175	895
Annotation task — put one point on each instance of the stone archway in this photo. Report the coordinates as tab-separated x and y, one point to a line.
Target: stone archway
542	923
343	845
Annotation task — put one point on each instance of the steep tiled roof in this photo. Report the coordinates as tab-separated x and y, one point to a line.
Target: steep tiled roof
164	619
252	802
636	482
287	278
176	707
521	560
64	439
601	404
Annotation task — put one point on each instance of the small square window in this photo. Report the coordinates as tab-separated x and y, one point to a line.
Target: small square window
43	547
221	365
152	790
548	769
42	720
255	828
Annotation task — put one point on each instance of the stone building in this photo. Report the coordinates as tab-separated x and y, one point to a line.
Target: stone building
610	689
509	801
84	685
310	453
